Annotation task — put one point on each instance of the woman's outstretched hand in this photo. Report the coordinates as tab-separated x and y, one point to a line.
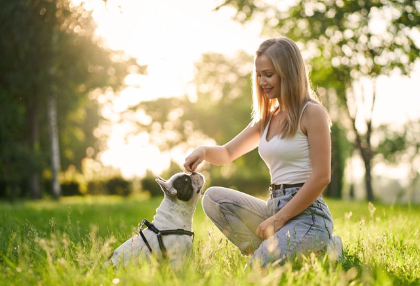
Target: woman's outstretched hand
194	159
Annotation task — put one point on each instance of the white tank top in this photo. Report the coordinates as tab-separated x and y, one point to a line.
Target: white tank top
287	158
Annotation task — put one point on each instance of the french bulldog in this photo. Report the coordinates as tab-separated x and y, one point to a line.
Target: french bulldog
181	193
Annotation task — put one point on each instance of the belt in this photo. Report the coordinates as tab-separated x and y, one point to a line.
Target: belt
274	187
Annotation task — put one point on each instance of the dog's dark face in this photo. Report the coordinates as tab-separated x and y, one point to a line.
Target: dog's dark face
182	186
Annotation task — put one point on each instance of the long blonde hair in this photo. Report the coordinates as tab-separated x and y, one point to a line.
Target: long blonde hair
295	89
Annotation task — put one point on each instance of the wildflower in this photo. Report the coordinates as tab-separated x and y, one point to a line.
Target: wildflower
348	215
371	209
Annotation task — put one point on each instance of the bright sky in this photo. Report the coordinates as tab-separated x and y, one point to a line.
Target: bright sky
169	36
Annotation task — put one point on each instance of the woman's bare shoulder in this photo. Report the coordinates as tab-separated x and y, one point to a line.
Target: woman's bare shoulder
314	113
314	109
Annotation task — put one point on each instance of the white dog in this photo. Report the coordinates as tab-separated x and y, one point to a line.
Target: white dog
170	233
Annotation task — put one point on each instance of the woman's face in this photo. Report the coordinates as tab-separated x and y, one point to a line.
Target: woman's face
268	79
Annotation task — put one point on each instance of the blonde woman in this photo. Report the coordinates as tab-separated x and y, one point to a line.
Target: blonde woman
291	130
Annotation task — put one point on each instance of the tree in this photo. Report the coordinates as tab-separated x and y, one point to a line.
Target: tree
220	111
402	148
348	42
49	51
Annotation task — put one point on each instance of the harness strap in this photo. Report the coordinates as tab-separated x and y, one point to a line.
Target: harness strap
161	245
145	240
177	231
160	233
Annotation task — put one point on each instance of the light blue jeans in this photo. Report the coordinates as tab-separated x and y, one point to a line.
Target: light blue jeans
238	215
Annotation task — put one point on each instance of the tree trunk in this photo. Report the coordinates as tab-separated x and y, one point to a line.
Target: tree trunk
334	189
54	144
365	149
52	118
368	177
33	143
363	142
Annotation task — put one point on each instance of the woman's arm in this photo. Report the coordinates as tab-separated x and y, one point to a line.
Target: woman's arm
243	143
316	126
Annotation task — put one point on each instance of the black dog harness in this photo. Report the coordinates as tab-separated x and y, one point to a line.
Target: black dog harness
159	234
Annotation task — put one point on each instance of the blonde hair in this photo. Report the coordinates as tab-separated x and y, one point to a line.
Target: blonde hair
295	89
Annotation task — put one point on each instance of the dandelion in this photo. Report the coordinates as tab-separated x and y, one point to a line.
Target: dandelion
115	280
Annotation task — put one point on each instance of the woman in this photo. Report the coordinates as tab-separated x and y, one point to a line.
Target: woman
291	130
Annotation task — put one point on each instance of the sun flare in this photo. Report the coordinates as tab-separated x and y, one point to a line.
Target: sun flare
169	37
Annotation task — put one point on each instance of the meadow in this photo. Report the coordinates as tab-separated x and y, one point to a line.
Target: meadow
67	242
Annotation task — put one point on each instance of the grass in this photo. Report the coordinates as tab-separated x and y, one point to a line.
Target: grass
67	243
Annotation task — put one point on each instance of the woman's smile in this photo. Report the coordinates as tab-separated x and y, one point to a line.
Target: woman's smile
267	90
268	78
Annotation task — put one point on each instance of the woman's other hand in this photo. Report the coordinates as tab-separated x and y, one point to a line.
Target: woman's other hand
268	228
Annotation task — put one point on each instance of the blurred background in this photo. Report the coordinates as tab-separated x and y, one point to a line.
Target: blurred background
101	96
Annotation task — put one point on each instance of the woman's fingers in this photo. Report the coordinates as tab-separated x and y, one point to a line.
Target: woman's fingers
193	160
260	231
191	164
188	166
257	232
266	229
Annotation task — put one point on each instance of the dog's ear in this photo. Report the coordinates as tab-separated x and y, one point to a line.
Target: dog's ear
184	187
166	187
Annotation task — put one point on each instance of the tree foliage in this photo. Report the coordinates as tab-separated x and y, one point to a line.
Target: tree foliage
49	46
346	41
220	111
402	148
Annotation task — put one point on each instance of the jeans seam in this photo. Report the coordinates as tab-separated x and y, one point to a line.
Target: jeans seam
325	223
231	230
298	242
240	206
222	216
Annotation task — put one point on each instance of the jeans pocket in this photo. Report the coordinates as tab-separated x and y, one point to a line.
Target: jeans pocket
272	206
281	201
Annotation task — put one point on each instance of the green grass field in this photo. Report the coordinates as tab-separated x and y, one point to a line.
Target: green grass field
67	243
